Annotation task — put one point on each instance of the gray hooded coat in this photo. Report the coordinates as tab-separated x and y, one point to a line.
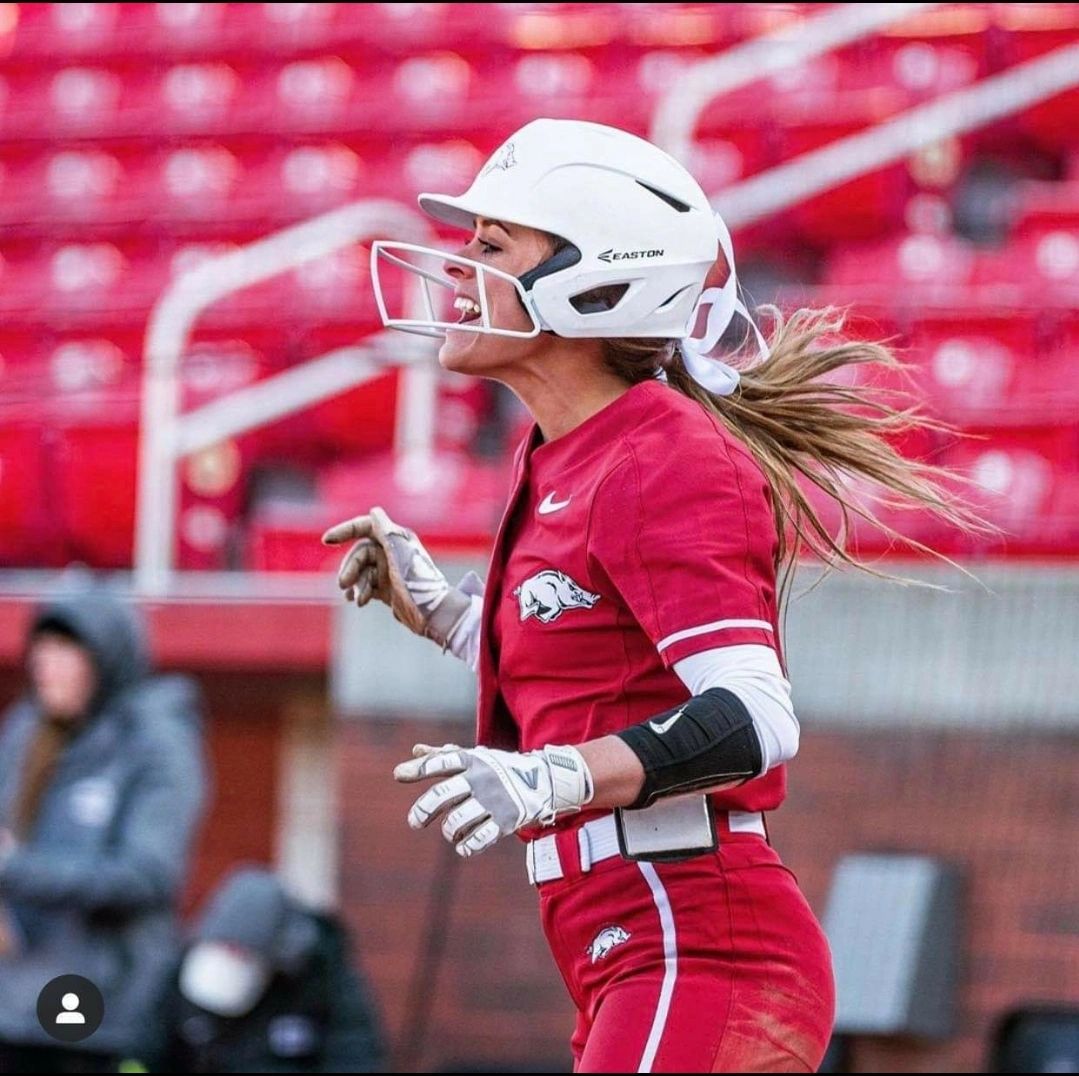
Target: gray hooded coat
93	889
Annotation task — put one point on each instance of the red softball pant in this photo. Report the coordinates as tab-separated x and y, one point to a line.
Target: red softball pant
711	964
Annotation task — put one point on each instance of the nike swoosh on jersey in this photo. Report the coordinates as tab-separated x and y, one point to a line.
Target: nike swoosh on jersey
549	504
659	728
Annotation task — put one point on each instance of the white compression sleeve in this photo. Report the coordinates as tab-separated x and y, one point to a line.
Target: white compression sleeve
464	640
752	672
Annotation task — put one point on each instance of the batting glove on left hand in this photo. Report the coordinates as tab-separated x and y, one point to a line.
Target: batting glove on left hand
389	562
490	794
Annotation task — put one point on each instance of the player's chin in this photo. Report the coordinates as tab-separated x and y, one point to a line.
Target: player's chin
464	352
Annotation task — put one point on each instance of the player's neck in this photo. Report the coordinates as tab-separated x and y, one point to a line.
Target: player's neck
564	389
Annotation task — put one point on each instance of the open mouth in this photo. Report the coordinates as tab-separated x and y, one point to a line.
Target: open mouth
468	309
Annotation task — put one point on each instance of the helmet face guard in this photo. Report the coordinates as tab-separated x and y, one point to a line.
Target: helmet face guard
410	258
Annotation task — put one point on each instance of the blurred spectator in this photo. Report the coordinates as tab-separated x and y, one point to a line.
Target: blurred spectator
101	786
265	985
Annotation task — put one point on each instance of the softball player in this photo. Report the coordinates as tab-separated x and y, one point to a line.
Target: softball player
634	720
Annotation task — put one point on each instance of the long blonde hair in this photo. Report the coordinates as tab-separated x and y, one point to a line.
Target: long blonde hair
797	422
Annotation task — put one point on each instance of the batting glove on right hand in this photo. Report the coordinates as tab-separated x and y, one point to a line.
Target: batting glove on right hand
490	794
388	562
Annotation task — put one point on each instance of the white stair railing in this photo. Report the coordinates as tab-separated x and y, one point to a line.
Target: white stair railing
847	158
165	435
787	46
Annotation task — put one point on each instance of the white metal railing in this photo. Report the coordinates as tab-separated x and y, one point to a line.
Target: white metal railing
677	113
963	110
165	435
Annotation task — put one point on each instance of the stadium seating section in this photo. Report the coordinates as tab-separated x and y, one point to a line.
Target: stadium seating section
138	139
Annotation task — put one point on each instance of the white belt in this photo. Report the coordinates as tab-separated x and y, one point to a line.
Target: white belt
598	840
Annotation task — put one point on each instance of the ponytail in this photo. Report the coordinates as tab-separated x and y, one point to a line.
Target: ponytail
796	424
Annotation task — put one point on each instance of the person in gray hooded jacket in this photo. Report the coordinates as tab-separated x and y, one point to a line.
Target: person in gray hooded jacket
102	784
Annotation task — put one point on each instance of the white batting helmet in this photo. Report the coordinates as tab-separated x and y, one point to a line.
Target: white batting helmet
633	218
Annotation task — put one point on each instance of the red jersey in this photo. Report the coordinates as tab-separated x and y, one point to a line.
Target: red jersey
642	536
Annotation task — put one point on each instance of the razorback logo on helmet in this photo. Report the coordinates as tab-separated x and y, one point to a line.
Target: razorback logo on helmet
502	159
605	941
547	594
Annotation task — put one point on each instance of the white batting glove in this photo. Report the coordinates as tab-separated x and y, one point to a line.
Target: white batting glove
491	794
389	562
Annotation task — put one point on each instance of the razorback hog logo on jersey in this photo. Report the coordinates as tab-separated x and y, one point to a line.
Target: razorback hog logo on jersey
605	941
547	594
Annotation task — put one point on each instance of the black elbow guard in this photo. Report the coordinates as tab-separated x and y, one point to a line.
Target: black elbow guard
706	741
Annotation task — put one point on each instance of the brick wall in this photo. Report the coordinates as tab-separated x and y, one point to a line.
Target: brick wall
495	993
243	741
1002	808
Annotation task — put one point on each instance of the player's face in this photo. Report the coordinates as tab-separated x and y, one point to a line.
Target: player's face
513	249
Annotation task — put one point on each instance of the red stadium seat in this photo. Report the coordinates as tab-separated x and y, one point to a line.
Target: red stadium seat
457	502
285	537
101	282
682	25
655	72
204	97
43	368
1034	30
94	419
721	162
67	188
301	180
312	94
454	161
67	102
807	88
69	30
29	536
200	185
92	416
1036	269
441	91
285	28
1046	207
566	82
359	420
23	275
985	369
912	269
863	208
164	28
1027	484
1065	336
94	480
336	287
920	69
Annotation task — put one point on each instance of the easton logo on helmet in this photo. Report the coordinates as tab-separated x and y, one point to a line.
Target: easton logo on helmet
611	255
